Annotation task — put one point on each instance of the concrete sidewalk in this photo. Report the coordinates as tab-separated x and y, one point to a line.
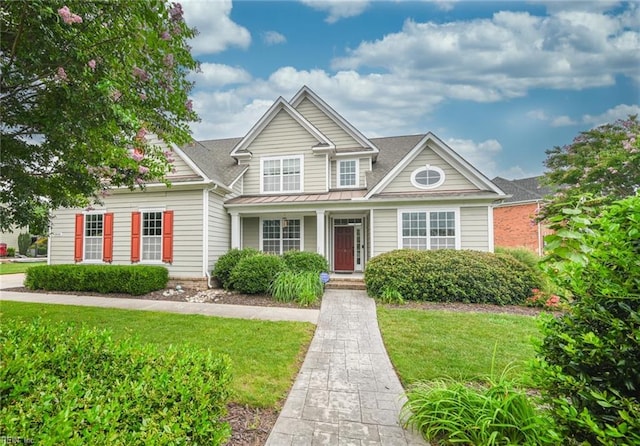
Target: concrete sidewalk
207	309
347	392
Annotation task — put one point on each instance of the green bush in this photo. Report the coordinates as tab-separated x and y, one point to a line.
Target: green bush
24	241
588	364
11	252
134	280
227	262
524	255
72	386
304	288
451	276
254	274
299	261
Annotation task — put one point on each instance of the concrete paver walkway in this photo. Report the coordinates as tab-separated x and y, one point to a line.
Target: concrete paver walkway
347	392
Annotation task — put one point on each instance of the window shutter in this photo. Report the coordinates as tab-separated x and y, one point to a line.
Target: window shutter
79	238
107	237
167	236
135	237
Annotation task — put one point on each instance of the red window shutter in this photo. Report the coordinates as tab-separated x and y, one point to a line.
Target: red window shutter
79	238
107	237
167	236
135	237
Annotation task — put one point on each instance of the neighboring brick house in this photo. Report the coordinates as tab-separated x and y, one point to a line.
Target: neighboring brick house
513	219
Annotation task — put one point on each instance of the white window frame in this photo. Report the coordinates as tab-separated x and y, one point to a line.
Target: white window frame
281	159
339	173
428	211
85	237
280	239
423	169
142	236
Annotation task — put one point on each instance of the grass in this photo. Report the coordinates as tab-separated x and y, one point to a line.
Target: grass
265	355
428	345
14	268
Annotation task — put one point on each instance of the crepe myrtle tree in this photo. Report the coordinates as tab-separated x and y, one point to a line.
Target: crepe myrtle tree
81	85
603	163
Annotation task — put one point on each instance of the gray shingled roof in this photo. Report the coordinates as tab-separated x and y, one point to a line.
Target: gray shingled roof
212	157
392	150
522	190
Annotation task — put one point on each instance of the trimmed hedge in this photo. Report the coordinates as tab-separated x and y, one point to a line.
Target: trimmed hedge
65	385
227	262
130	279
256	273
303	261
451	276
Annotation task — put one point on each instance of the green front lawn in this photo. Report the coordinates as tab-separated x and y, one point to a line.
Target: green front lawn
14	268
425	345
265	355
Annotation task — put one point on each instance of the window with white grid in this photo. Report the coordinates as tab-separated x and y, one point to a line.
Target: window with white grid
347	173
428	229
152	236
93	230
283	174
279	236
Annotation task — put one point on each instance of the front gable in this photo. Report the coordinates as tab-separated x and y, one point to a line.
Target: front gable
183	168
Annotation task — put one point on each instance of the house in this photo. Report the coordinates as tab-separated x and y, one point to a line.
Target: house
514	219
303	178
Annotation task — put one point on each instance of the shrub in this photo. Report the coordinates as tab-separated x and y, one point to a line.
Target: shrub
299	261
305	288
24	241
227	262
63	385
255	273
451	276
588	365
11	252
524	255
130	279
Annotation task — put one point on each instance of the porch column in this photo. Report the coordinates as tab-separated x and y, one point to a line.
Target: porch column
235	230
320	232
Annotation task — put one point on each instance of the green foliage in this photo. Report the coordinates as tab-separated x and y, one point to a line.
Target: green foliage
299	261
81	86
24	241
603	162
524	255
451	276
390	295
60	385
254	274
227	262
497	412
305	287
130	279
589	361
11	252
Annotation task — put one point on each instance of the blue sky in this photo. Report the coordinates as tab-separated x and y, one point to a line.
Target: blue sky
500	82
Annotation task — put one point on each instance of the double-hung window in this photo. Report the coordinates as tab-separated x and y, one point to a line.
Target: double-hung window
93	233
422	229
279	236
282	174
152	236
347	173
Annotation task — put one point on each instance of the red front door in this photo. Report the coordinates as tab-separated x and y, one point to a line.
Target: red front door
343	248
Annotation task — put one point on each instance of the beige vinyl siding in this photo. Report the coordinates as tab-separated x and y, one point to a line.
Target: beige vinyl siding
363	168
180	169
187	223
283	136
310	231
474	228
251	232
219	229
385	230
453	179
327	126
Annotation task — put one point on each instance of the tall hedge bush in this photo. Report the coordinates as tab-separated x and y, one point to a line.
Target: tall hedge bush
589	360
303	261
256	273
451	276
130	279
227	262
76	386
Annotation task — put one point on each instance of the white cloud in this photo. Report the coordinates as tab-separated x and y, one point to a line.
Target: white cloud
217	30
273	38
338	9
481	155
562	121
621	111
537	114
218	75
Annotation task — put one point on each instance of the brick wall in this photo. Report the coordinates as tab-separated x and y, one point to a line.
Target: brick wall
513	226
